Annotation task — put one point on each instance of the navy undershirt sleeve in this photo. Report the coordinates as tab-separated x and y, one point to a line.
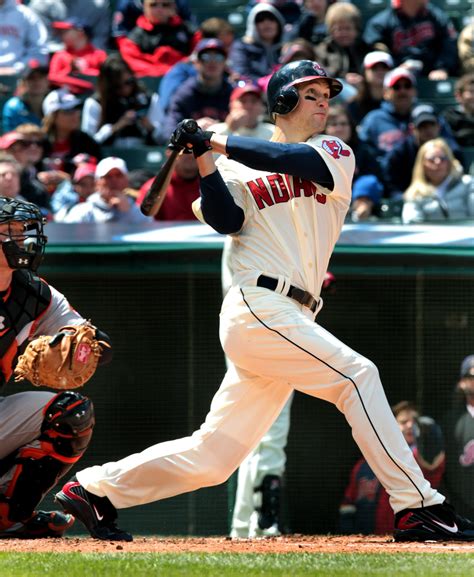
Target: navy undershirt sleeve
218	206
296	159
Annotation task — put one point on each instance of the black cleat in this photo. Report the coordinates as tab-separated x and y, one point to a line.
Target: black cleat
435	523
97	514
41	525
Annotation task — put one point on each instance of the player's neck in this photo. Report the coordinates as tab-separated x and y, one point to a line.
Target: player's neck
288	133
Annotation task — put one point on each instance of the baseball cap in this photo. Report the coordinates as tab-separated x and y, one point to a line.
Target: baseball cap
83	170
210	44
378	57
60	99
72	23
108	164
392	77
467	367
247	88
9	138
33	66
423	113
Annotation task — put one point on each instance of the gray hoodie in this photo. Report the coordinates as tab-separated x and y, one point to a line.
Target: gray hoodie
251	58
23	36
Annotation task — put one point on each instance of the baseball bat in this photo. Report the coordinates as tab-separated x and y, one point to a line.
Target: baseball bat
155	196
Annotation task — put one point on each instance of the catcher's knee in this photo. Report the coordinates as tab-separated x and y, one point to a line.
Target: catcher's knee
67	426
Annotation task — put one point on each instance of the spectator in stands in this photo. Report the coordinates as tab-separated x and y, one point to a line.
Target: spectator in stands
182	190
206	96
466	48
75	190
159	40
365	507
78	58
398	164
382	128
419	36
10	172
342	52
23	38
289	9
95	13
26	105
366	188
459	429
17	145
120	113
256	54
461	117
184	69
246	109
61	122
370	90
312	23
109	203
439	189
127	12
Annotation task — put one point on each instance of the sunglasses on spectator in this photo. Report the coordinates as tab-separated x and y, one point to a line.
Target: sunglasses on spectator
434	158
211	57
402	86
27	143
160	4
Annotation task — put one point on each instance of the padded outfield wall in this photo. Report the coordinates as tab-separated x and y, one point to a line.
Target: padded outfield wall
404	298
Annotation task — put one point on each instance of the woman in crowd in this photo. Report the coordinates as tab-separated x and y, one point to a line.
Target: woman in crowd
439	189
120	113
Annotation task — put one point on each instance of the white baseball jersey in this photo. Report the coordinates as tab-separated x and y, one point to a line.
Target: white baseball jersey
301	218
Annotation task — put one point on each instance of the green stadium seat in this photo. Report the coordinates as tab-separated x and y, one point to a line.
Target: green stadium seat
440	93
231	10
148	157
8	84
369	8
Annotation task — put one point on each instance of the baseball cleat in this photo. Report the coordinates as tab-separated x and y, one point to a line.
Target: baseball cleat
97	514
435	523
41	525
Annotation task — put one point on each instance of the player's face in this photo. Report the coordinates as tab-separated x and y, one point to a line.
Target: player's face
310	115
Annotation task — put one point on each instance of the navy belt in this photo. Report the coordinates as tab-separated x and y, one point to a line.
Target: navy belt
299	295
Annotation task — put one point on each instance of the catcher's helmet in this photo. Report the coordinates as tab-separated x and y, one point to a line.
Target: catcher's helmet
23	250
282	96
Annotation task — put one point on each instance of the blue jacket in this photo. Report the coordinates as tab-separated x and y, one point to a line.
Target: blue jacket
16	112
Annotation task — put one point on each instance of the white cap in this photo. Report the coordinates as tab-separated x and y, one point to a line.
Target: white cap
378	57
60	99
108	164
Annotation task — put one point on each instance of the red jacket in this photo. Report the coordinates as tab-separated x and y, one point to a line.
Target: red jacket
65	63
179	197
152	49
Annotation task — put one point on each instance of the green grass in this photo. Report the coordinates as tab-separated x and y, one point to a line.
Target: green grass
235	565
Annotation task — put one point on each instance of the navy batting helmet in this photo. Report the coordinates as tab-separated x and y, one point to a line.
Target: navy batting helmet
22	249
282	96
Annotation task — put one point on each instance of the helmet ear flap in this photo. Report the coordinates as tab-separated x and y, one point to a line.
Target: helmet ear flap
286	101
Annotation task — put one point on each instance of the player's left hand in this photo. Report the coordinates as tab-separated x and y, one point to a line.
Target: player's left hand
199	141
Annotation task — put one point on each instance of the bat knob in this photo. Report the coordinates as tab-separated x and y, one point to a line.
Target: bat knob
190	126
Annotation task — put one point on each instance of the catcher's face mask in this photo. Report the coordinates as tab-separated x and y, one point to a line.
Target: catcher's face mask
21	233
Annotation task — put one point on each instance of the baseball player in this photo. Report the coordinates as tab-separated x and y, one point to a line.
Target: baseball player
284	204
42	433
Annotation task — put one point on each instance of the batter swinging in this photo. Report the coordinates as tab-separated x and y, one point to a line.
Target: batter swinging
284	204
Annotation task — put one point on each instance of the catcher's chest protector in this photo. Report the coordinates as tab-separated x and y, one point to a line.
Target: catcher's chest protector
26	300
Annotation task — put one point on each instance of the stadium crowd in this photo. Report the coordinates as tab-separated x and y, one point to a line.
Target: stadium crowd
81	83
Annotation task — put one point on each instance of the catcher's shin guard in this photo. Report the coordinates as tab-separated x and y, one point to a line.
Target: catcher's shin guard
27	474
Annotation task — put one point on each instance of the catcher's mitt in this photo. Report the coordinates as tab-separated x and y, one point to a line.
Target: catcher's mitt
65	361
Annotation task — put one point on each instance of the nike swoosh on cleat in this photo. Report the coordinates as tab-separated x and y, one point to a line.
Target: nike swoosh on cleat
451	529
100	517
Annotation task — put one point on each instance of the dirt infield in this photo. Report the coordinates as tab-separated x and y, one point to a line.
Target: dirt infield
286	544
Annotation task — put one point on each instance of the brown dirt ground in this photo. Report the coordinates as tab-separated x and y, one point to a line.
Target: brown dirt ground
285	544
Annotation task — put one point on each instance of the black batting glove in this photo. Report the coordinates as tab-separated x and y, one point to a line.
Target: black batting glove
198	140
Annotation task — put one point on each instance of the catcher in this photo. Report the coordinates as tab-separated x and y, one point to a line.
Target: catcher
45	341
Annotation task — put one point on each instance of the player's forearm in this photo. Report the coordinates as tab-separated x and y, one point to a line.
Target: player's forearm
297	159
218	206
